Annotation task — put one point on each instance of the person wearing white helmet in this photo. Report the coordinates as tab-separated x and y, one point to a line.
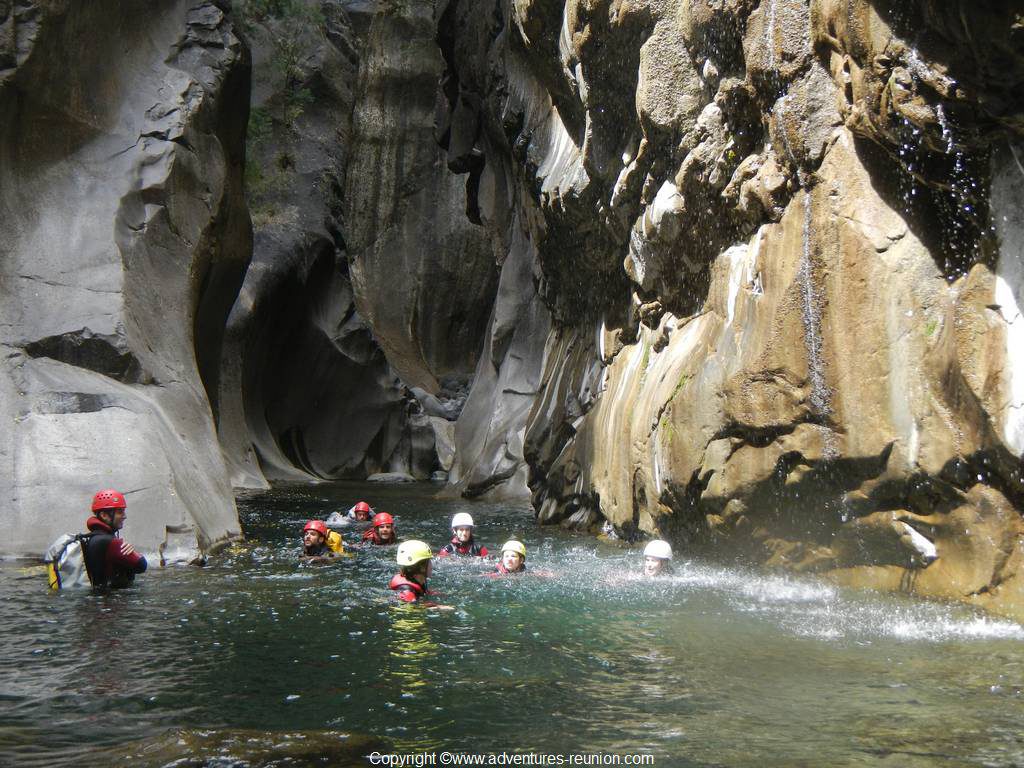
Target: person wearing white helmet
657	558
462	543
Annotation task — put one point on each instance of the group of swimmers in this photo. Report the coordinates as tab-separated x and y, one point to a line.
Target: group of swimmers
321	543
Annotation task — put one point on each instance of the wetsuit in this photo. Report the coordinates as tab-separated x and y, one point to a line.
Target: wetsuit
320	550
407	590
105	558
456	547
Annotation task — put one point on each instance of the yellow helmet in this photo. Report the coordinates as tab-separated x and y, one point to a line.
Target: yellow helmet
412	552
514	546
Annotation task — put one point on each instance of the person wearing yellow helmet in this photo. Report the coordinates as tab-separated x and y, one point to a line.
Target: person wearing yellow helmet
415	561
513	558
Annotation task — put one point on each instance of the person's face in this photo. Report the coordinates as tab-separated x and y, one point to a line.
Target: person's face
362	514
512	561
463	533
311	539
386	531
653	566
117	518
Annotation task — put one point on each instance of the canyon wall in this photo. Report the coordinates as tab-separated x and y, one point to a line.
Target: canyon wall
744	275
779	243
124	235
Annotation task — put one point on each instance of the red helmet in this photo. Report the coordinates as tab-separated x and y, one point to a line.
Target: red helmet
316	525
108	498
361	506
382	518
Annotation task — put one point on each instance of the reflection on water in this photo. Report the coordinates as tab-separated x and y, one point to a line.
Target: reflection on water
257	661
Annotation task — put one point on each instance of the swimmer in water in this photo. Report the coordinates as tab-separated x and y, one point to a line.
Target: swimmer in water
359	514
513	558
462	543
382	530
318	544
415	561
658	558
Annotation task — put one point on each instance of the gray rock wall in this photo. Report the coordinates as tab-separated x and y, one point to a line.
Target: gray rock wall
422	266
125	237
361	318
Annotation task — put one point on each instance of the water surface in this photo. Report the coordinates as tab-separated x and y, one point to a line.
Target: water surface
712	667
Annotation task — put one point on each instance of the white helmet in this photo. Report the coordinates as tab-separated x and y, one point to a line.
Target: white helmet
462	519
659	549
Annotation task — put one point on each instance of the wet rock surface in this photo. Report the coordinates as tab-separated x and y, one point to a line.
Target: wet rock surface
808	366
743	275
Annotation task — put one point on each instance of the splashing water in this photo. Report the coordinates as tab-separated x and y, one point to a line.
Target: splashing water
710	666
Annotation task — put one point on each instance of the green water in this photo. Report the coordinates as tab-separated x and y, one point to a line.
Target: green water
236	663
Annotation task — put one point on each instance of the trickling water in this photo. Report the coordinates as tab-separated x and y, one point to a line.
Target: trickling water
959	218
820	396
1007	202
947	131
770	36
713	666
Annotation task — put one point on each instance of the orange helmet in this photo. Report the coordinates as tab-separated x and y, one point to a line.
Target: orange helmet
382	518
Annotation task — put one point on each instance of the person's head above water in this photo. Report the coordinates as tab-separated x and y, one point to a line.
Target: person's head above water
462	527
513	555
361	511
109	506
414	557
657	557
314	534
384	525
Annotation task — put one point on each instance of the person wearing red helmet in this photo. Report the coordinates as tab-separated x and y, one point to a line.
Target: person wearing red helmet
315	548
109	559
382	530
361	512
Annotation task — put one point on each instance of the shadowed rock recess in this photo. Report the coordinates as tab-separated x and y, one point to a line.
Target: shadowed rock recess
745	275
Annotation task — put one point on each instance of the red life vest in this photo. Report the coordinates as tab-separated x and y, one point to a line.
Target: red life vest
501	570
456	547
408	590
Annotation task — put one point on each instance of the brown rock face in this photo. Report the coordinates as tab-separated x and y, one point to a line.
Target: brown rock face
814	364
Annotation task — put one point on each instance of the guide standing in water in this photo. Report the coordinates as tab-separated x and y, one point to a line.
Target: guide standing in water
109	559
